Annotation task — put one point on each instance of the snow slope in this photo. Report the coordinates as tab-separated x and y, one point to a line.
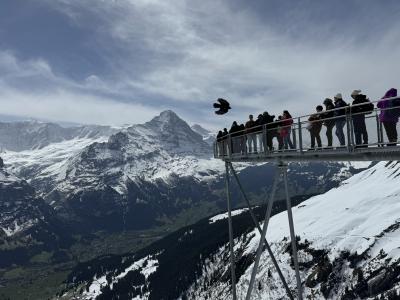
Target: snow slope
353	228
46	165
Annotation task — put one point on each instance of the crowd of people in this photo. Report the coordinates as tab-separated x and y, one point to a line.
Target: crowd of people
252	136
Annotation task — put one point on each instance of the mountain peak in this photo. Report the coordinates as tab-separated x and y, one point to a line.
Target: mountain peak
168	115
168	118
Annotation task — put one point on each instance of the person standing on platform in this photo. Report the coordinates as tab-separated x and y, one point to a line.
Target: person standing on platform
234	132
328	121
315	127
360	106
259	129
340	120
250	134
389	115
286	130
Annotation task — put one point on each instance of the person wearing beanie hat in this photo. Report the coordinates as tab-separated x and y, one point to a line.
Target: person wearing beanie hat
360	106
340	120
329	123
338	96
355	93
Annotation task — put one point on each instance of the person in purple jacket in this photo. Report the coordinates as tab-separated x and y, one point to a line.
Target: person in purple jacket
389	117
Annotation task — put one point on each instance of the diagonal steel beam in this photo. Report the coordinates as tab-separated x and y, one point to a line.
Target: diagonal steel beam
232	254
292	233
263	233
289	293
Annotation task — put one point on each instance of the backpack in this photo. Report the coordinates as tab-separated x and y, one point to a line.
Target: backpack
395	103
368	108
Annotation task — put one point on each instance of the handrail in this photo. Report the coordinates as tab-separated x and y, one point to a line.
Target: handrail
258	140
320	120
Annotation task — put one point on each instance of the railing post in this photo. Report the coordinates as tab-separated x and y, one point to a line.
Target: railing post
378	129
246	143
349	129
300	135
294	137
265	139
230	146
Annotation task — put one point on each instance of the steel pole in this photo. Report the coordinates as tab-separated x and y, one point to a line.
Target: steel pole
292	234
263	233
289	293
300	135
232	254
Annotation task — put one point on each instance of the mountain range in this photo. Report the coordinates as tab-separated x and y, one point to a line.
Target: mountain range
139	176
67	185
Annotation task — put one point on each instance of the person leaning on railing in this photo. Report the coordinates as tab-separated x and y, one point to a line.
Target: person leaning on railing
234	132
250	133
360	107
389	115
329	122
259	123
314	126
340	120
286	130
272	129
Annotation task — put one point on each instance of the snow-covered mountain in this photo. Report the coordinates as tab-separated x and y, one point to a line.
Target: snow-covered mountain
348	241
146	173
30	135
207	135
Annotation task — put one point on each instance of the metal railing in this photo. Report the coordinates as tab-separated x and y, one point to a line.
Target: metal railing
304	136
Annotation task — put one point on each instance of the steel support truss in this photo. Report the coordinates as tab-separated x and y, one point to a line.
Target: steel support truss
281	172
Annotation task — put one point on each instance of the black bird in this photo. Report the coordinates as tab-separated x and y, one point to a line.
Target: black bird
223	106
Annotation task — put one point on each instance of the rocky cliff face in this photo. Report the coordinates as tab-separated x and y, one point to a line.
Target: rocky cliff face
27	224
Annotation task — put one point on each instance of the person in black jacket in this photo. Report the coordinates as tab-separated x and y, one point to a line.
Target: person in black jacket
225	143
358	115
234	132
328	122
272	131
340	115
242	138
220	146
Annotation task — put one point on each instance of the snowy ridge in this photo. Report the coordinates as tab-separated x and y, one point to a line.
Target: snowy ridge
31	135
348	231
225	215
46	165
143	267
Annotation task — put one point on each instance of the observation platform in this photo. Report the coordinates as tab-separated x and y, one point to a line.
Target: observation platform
263	143
269	142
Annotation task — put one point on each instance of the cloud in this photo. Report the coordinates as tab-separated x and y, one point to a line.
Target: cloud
65	106
182	55
62	99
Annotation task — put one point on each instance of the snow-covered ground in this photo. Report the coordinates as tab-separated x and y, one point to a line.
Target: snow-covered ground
361	218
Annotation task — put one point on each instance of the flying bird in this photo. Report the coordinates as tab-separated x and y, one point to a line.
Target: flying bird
223	106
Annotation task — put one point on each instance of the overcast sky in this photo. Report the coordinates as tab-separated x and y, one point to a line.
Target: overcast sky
124	61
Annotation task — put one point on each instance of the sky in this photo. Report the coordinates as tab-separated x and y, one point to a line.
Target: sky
124	61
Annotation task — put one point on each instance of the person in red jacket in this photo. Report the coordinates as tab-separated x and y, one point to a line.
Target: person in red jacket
286	130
